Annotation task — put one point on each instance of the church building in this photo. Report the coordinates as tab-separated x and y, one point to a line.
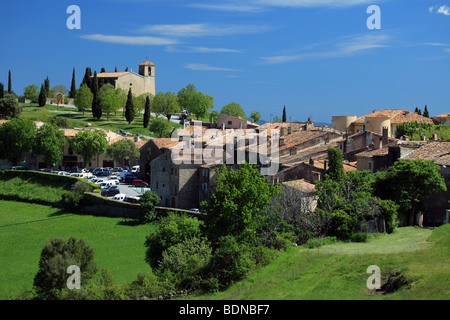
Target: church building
140	83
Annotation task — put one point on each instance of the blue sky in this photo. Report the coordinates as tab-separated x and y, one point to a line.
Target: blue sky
316	57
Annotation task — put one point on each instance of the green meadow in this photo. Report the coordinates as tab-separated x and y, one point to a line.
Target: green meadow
339	271
24	228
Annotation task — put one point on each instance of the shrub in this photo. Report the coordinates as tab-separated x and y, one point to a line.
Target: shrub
342	224
318	242
389	210
231	261
186	260
171	230
148	202
358	237
71	200
56	257
148	285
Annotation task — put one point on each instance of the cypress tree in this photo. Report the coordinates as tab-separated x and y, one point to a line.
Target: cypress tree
284	114
335	170
9	82
129	108
419	112
73	87
87	77
96	110
115	70
47	86
103	70
425	112
42	97
2	94
147	112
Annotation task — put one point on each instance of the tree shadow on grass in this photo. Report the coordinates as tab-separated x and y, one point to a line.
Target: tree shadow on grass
129	222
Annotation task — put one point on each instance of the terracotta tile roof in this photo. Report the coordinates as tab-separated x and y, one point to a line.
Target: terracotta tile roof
300	137
315	152
111	74
396	115
444	115
439	151
295	126
147	63
165	142
70	132
300	184
373	153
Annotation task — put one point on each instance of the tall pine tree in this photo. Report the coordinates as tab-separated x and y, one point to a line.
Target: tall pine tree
129	108
284	114
147	112
42	96
9	82
96	110
73	88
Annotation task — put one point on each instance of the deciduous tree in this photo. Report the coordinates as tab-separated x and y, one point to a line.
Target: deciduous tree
83	98
233	109
122	151
16	139
31	93
89	143
49	142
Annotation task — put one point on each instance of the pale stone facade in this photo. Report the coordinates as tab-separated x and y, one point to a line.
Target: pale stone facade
140	83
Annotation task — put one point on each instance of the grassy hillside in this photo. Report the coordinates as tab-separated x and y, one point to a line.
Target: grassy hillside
35	186
77	119
338	271
119	247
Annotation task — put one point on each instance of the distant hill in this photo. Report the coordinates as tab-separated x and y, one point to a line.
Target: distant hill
261	122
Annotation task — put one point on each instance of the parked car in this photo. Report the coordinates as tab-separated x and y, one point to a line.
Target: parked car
132	199
18	168
135	169
110	191
194	210
139	183
120	197
129	178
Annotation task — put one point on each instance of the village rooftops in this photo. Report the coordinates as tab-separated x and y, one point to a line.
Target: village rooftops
437	151
396	115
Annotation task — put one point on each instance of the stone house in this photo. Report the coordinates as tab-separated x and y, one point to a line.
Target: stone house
376	121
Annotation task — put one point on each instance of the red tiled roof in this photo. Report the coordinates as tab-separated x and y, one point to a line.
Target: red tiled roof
439	151
396	115
111	74
444	115
300	184
147	63
165	142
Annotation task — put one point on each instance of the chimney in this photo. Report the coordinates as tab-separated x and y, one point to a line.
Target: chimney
311	161
385	137
435	137
424	137
374	110
289	130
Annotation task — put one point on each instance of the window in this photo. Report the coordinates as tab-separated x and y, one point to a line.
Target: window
230	123
156	184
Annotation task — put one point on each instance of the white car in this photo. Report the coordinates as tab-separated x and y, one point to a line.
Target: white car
119	197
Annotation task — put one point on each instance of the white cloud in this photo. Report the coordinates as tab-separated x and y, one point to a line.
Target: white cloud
262	5
447	50
344	47
213	50
201	29
206	67
442	9
129	39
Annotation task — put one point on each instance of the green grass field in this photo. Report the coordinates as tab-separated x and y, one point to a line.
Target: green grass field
338	271
24	228
78	120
